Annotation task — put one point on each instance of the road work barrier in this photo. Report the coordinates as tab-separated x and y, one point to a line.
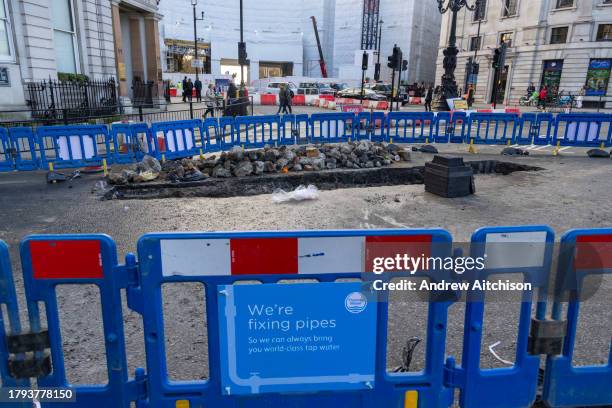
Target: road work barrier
292	318
87	145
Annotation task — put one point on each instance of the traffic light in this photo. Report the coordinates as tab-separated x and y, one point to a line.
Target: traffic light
364	61
242	54
496	56
404	65
395	60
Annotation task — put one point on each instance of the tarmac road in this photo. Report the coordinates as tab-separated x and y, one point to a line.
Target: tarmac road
573	192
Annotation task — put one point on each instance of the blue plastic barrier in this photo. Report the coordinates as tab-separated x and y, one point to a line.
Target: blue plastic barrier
535	129
583	129
227	132
492	128
257	131
6	158
269	258
450	127
128	148
51	260
410	127
294	129
180	138
371	126
514	386
73	146
331	127
23	142
583	253
8	298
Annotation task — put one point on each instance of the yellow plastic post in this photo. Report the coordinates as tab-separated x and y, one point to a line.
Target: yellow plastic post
556	150
426	140
508	143
602	146
411	399
182	404
163	158
50	166
391	140
472	148
105	167
201	155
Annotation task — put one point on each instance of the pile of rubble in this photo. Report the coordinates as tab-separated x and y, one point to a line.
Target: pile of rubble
241	163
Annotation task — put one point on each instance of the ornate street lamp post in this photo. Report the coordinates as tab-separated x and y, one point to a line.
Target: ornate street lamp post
448	87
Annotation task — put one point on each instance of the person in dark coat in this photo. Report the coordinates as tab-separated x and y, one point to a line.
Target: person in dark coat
288	99
184	89
282	100
470	96
428	98
198	89
189	89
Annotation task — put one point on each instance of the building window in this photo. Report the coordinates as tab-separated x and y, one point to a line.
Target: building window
180	55
551	75
480	12
598	77
64	36
604	32
564	3
506	38
510	8
5	30
558	35
475	43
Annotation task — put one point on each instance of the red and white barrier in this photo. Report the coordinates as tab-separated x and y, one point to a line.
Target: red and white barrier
259	256
268	99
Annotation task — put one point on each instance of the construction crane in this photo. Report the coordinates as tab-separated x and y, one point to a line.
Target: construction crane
321	57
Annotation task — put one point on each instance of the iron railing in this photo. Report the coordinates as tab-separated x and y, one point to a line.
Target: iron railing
59	100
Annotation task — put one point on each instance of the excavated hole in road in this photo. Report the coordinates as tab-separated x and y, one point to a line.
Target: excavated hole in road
324	180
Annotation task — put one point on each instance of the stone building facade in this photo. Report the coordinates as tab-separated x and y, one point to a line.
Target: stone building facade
565	44
100	39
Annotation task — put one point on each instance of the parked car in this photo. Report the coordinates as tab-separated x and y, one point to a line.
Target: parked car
355	93
274	88
308	88
385	89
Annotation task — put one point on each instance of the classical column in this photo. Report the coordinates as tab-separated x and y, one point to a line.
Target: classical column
119	56
138	70
153	54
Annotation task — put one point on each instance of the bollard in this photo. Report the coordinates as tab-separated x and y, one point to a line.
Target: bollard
472	148
51	170
557	149
105	167
201	155
163	158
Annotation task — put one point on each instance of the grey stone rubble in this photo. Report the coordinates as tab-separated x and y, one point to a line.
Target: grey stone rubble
241	163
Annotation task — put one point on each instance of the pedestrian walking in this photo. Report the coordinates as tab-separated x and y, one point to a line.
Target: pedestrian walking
282	103
288	99
470	96
184	83
542	97
198	89
189	89
428	98
210	99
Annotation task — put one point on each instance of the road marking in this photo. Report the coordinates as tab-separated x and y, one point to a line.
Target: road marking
542	147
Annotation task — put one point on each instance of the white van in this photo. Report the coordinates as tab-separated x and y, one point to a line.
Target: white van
274	88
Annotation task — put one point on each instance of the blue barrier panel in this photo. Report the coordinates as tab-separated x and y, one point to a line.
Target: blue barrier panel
8	298
141	134
179	138
52	260
582	129
6	158
73	146
410	127
536	129
371	126
331	127
257	131
127	146
501	246
227	132
213	140
492	128
583	254
450	127
236	379
294	129
24	145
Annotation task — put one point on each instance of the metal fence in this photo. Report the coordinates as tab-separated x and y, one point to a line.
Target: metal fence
59	100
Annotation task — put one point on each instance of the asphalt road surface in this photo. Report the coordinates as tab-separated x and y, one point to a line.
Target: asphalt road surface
572	192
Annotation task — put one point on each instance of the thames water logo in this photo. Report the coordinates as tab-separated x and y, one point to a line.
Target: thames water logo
355	302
